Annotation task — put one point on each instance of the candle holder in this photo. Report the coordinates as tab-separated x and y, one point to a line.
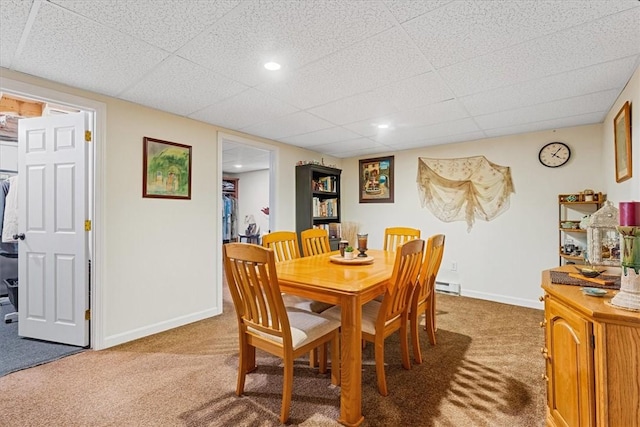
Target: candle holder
362	245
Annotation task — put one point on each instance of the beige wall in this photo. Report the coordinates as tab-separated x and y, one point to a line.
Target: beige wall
500	260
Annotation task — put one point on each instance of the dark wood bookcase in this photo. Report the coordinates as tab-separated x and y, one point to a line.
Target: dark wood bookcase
318	200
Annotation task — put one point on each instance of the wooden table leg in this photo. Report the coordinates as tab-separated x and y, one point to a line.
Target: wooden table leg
351	358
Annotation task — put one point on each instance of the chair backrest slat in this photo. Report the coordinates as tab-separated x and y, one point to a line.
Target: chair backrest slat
395	236
314	241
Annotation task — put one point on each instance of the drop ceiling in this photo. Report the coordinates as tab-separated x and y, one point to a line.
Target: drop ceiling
436	72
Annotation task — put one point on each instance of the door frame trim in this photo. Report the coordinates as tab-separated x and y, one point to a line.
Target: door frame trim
96	176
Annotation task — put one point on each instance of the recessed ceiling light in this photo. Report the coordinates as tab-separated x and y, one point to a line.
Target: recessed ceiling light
383	126
272	66
237	166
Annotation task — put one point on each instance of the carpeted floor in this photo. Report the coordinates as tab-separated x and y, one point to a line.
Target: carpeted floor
18	353
484	371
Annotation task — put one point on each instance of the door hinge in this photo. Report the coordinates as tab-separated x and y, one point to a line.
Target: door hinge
87	314
87	135
87	225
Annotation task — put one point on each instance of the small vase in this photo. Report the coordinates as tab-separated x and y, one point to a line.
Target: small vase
348	255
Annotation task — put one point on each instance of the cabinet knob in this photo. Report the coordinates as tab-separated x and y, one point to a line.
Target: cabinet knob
544	377
543	323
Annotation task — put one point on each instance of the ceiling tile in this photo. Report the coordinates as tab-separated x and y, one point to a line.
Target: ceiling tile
324	136
609	75
247	108
445	111
578	120
191	89
423	89
404	10
86	55
357	144
462	30
447	139
167	24
13	18
424	133
292	33
613	37
289	125
375	62
592	103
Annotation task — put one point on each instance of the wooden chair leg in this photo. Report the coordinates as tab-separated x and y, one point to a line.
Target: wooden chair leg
322	358
287	389
404	344
415	336
382	380
430	319
313	358
242	367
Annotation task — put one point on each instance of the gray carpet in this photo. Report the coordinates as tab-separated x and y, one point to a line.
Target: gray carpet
18	353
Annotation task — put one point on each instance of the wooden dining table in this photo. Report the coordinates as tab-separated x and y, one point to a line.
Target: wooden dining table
350	286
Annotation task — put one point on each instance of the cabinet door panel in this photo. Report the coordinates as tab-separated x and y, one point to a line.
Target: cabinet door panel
571	383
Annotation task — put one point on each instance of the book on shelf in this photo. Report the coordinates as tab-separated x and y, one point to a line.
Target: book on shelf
325	184
334	229
325	208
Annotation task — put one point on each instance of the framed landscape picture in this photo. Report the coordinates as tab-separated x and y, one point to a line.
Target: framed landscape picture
376	180
166	169
622	139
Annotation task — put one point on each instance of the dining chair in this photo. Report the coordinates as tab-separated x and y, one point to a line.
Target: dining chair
424	296
285	247
394	236
381	319
283	243
314	241
265	323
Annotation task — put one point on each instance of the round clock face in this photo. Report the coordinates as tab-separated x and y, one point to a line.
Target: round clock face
554	154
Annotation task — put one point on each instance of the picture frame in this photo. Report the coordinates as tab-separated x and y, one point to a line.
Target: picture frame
166	169
622	139
376	180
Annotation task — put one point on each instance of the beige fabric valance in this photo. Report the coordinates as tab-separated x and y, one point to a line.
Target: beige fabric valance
464	189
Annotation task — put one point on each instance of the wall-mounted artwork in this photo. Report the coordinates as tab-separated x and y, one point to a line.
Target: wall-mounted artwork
376	180
166	169
622	137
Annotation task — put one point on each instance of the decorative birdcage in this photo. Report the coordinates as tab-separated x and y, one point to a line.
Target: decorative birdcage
603	239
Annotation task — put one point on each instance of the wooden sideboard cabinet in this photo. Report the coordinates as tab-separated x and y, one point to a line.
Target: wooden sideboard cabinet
592	352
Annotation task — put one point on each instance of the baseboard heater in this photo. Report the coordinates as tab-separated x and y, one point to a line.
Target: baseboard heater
448	288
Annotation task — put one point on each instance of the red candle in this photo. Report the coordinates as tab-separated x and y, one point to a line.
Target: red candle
630	214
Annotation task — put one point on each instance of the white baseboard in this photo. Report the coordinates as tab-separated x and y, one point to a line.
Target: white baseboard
504	299
135	334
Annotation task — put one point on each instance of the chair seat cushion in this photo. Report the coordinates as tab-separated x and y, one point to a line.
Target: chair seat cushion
305	303
305	327
369	315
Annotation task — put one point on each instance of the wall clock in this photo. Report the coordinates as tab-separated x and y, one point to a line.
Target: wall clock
554	154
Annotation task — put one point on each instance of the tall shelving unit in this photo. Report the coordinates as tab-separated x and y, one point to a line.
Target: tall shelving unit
318	200
572	208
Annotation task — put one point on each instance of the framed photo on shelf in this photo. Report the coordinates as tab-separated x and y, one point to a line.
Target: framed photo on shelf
622	138
376	180
166	169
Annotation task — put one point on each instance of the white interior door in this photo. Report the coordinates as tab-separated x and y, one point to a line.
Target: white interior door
52	260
